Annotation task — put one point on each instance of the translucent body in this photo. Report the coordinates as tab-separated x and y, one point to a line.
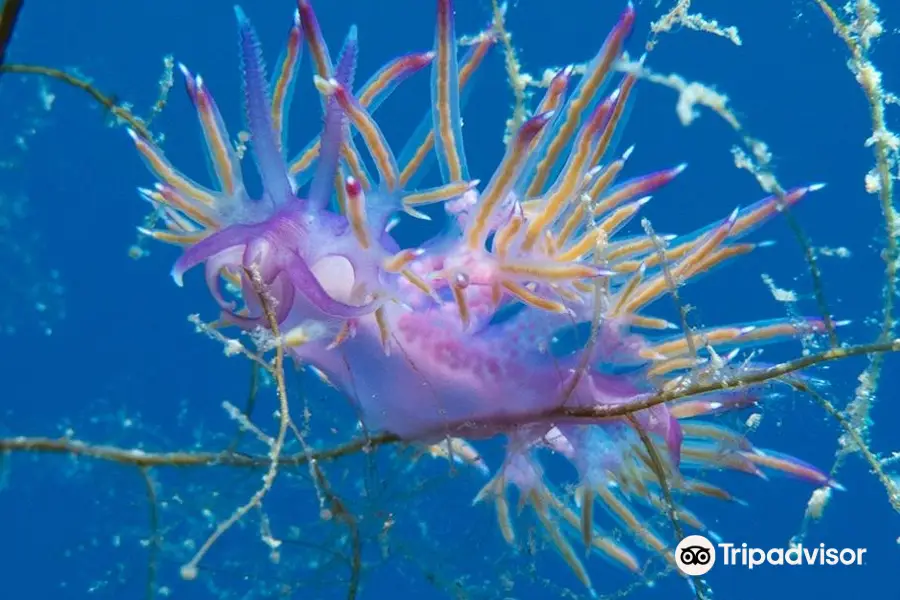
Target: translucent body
469	336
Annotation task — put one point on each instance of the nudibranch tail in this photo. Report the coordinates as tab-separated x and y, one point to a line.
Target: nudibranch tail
531	305
620	473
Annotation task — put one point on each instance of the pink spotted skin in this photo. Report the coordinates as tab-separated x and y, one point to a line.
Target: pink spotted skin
439	380
501	340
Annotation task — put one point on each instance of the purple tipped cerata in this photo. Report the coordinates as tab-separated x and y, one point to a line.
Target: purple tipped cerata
528	313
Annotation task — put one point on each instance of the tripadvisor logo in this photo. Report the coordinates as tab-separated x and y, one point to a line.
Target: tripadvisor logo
695	555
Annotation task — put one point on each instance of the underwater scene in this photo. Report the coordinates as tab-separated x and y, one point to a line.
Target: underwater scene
466	299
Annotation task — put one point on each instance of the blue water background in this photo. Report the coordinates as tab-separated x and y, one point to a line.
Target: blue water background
125	351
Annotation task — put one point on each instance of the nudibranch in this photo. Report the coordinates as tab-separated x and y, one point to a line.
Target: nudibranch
528	307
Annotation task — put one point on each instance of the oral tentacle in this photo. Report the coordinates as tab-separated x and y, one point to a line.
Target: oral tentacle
231	237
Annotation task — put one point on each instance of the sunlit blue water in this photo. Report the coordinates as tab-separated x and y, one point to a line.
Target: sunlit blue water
112	358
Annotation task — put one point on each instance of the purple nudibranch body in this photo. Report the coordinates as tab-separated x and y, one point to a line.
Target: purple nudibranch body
468	336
